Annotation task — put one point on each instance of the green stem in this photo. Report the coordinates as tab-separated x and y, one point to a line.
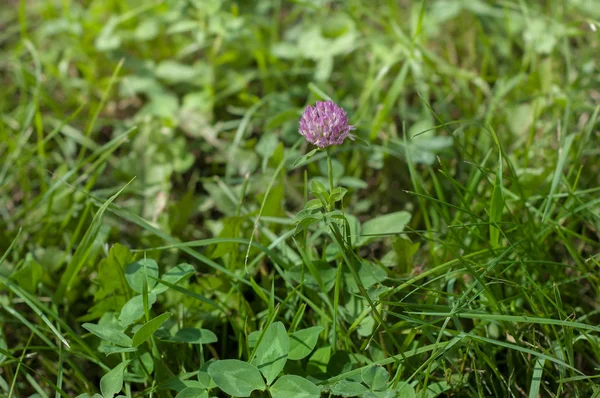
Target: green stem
331	204
330	170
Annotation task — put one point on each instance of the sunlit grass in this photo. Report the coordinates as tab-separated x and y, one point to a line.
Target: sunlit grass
462	259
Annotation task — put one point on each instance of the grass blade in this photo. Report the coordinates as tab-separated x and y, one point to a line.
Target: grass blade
84	248
536	378
563	153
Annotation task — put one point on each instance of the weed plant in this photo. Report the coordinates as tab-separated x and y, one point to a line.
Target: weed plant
165	231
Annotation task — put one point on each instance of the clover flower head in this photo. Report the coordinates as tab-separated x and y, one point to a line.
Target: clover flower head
325	124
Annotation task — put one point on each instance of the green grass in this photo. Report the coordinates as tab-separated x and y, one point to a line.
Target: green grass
153	240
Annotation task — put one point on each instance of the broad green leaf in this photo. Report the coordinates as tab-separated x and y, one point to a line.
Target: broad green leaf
319	359
236	378
285	50
366	326
272	206
368	273
405	390
312	204
147	30
182	26
136	273
376	377
404	250
222	201
541	36
108	39
436	389
311	211
133	84
253	338
111	304
29	274
163	105
294	386
353	182
180	383
193	336
338	194
347	388
268	143
272	352
231	226
203	376
303	341
374	292
326	273
195	295
111	280
112	382
381	394
174	275
372	394
317	187
144	358
110	334
193	392
383	226
133	310
520	118
339	363
148	329
175	72
305	223
241	161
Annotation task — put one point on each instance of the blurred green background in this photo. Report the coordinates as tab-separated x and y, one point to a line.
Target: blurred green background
195	104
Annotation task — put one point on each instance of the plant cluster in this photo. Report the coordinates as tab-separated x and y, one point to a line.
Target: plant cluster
375	199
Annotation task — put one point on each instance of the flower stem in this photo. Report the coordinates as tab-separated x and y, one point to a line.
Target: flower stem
330	170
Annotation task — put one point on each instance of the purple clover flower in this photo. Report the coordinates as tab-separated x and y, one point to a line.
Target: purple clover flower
325	124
